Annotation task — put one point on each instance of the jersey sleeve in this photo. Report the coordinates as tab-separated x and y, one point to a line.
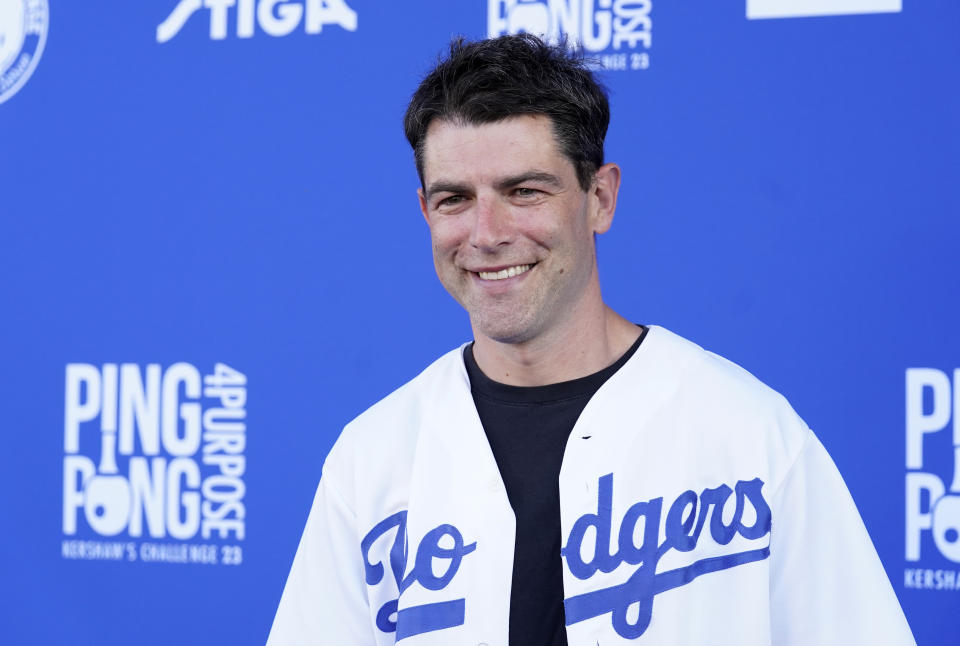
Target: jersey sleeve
827	585
324	601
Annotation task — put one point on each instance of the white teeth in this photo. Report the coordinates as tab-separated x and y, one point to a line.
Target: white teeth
510	272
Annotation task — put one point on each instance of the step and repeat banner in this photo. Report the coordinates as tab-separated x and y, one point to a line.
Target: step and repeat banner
212	258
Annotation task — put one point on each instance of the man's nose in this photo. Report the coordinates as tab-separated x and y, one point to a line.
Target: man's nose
492	224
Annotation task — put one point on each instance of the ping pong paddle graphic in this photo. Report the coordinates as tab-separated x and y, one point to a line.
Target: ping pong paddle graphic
107	494
946	510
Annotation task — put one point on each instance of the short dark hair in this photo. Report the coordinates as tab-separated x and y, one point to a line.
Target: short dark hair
490	80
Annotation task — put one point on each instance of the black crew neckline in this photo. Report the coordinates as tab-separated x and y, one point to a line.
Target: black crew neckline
481	384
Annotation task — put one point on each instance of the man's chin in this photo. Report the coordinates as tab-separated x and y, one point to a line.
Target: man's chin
507	330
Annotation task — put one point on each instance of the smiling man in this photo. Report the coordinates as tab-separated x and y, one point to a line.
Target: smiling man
568	477
512	230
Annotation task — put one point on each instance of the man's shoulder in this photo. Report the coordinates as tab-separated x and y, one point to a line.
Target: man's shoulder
415	397
721	402
388	430
714	376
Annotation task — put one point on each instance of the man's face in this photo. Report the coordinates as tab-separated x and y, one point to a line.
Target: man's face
512	230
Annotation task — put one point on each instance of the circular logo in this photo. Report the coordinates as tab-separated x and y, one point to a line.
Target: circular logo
23	33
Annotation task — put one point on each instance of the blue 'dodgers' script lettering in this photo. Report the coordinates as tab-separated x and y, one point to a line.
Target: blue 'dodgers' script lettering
427	617
684	523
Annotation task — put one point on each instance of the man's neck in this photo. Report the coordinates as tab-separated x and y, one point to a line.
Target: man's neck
560	355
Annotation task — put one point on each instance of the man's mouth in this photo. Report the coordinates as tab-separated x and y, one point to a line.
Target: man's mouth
509	272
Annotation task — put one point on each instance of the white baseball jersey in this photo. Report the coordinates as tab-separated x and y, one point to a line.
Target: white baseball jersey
696	508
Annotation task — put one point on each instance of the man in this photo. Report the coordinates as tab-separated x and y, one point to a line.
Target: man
569	477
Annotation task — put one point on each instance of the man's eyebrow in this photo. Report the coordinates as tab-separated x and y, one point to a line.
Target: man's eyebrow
539	176
443	186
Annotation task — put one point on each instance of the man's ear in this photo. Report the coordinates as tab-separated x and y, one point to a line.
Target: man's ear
423	205
606	184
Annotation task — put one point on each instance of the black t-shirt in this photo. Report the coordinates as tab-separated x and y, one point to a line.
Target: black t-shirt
527	428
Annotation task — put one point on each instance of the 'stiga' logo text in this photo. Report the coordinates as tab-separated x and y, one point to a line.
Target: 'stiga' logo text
273	17
442	543
685	520
23	33
165	462
618	32
932	509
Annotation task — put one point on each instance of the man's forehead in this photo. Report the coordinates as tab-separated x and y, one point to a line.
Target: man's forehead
497	148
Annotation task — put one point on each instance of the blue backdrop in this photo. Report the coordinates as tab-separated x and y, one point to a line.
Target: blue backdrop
187	184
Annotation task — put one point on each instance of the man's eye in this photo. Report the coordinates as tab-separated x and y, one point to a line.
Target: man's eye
526	192
453	200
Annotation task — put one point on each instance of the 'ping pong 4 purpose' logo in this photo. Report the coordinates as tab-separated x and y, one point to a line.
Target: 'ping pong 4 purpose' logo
153	463
932	501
